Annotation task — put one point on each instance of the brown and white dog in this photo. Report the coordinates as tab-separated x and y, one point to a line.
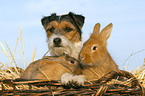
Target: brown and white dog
64	33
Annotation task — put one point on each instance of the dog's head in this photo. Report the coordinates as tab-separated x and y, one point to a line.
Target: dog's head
64	33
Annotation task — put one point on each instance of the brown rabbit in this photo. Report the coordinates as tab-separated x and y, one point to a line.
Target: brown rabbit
94	57
54	68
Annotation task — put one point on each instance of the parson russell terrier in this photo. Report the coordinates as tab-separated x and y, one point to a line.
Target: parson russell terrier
64	33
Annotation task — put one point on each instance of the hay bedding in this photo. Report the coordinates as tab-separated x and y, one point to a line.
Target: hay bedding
129	87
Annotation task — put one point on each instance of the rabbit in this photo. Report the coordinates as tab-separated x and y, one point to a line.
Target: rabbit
64	68
94	57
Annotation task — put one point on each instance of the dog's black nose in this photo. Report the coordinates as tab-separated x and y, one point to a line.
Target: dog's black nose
57	41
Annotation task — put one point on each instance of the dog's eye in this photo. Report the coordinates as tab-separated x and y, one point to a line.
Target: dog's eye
68	29
51	29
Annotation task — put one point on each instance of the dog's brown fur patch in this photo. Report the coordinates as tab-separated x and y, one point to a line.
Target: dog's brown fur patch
62	28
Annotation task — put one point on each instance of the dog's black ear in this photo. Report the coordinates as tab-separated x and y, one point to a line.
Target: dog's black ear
46	20
79	18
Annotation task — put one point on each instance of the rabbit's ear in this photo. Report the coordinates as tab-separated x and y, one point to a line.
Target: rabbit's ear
105	33
96	29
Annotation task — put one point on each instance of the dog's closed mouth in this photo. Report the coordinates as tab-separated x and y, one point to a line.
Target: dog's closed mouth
58	46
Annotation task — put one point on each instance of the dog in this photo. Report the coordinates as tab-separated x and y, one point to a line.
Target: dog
64	33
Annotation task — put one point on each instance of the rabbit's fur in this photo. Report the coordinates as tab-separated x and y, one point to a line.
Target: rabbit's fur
94	57
54	68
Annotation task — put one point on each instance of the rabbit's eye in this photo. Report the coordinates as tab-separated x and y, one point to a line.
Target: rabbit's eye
72	62
95	47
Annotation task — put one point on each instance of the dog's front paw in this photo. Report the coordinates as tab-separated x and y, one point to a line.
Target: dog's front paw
69	80
79	79
66	78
